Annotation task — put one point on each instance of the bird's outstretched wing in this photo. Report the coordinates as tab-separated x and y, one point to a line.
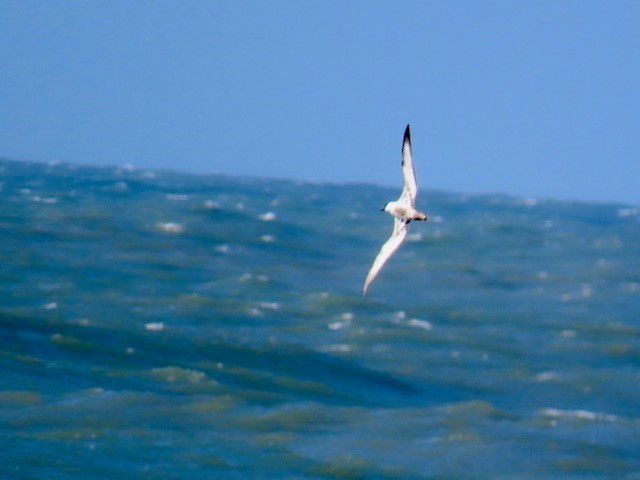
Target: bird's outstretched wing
390	246
410	190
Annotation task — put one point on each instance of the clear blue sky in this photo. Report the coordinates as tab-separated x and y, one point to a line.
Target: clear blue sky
531	98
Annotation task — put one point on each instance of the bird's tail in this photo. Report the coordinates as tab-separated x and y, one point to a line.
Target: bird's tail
420	216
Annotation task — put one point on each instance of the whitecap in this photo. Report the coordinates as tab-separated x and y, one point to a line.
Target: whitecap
578	414
269	305
178	374
338	325
224	248
47	200
424	324
340	347
170	227
268	238
154	326
267	217
211	205
546	376
585	292
628	212
345	321
51	306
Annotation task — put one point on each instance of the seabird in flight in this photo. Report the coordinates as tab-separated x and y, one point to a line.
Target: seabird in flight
403	211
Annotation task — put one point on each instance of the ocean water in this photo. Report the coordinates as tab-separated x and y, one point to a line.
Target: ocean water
158	325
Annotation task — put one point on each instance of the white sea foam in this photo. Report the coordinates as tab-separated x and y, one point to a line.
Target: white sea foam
245	277
578	414
546	376
628	212
267	217
269	305
178	374
224	248
585	292
154	326
424	324
345	321
268	238
339	347
170	227
338	325
47	200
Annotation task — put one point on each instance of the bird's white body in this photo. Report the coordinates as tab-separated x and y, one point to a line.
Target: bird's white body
403	210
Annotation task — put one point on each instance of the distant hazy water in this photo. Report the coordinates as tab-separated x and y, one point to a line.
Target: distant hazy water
160	325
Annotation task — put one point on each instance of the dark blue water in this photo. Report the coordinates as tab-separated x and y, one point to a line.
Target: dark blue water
161	325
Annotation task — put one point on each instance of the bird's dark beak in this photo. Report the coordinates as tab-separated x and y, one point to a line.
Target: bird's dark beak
382	209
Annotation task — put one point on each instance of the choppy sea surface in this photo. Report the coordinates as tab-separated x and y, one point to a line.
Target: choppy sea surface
158	325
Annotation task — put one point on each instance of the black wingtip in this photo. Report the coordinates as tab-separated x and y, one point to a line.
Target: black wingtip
407	133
